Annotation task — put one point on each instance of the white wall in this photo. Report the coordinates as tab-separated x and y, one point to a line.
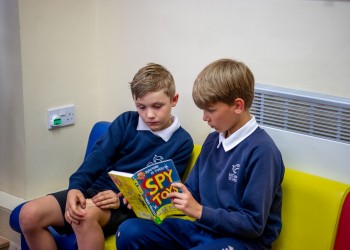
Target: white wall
12	167
86	52
296	44
58	42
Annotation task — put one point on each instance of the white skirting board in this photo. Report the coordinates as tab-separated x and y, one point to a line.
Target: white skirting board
7	204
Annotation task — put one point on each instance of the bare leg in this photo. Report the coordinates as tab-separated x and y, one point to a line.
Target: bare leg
89	232
35	217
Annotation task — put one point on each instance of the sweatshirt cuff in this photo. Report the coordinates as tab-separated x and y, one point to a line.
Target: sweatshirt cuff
207	217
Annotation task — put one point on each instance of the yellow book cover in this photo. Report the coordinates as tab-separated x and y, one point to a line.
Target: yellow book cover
126	185
147	189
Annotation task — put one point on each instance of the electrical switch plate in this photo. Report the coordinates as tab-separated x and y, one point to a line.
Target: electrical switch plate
60	117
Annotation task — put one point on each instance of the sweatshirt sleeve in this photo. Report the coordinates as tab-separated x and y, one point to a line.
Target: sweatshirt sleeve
103	154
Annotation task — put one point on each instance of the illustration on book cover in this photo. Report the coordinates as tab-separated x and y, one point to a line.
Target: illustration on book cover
147	190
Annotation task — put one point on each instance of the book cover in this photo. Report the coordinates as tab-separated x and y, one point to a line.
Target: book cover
146	190
126	185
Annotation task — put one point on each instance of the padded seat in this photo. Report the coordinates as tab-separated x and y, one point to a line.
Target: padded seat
67	241
310	211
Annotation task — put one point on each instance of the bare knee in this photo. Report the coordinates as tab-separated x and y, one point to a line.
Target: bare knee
40	213
29	217
94	218
90	220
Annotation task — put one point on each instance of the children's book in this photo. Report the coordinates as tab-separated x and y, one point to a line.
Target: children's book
147	189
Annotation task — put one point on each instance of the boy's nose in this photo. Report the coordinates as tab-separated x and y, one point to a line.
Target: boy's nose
150	114
205	116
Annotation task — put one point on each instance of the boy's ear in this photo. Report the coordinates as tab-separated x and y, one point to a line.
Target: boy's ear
239	105
175	99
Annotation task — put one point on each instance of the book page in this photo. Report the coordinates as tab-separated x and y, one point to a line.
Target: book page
126	186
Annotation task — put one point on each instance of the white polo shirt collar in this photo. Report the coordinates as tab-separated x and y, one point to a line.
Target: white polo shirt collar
166	133
238	136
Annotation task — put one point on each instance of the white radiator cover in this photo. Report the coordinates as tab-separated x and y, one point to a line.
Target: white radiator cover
313	155
311	130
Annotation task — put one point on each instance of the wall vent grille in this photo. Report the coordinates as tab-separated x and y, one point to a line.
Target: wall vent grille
302	112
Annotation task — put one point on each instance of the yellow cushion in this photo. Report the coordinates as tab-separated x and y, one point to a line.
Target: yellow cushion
310	211
110	243
196	150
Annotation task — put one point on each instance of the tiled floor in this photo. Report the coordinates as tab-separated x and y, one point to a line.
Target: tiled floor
4	243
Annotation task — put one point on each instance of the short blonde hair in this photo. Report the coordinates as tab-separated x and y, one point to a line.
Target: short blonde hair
223	80
151	78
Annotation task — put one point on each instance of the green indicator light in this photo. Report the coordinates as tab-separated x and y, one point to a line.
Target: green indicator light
57	122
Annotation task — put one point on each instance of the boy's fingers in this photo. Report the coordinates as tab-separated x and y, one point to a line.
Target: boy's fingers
180	186
174	195
82	200
177	184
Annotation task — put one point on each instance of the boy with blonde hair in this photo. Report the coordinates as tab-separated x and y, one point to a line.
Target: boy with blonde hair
90	207
234	190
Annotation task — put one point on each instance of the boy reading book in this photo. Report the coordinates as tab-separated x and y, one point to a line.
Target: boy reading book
234	190
90	206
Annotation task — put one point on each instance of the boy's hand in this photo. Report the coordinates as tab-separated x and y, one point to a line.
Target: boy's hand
75	206
185	201
125	201
106	200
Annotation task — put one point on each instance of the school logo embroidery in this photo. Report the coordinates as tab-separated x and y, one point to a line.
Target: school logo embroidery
156	159
234	175
228	248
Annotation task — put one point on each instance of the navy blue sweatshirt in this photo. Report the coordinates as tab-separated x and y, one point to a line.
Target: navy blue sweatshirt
240	189
124	148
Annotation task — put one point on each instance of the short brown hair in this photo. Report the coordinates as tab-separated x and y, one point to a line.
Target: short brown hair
223	80
151	78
